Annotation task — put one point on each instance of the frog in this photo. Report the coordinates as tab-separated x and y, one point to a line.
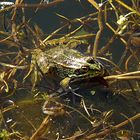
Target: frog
66	66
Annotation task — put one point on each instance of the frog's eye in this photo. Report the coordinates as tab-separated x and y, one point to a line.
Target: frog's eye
84	69
91	60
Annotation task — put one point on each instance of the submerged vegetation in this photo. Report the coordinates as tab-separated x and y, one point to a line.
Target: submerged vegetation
80	81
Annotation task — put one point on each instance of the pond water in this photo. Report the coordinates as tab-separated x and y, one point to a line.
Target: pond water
87	109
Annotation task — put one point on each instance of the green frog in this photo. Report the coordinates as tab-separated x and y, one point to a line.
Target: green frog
66	66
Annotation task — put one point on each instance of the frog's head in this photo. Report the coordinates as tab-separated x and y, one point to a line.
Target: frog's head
85	69
88	69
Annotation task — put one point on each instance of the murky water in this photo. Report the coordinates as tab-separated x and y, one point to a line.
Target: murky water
83	111
80	113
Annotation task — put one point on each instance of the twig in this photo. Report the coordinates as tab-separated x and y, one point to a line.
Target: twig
42	5
127	7
125	76
111	62
100	24
98	35
129	73
104	49
113	129
94	4
122	78
5	39
127	61
39	132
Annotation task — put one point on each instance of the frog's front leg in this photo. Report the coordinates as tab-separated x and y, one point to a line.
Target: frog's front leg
65	84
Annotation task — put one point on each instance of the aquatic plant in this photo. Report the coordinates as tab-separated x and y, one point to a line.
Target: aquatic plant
110	32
